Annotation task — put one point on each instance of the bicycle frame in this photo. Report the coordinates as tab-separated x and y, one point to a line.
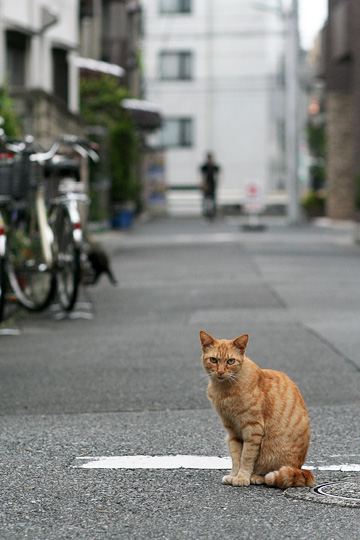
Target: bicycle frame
75	200
68	214
71	200
26	240
46	234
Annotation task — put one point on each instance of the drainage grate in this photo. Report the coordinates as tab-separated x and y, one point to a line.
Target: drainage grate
346	491
343	493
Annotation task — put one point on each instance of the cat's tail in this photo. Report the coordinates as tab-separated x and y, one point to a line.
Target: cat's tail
287	477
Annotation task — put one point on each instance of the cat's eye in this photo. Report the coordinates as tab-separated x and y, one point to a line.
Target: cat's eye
230	361
213	360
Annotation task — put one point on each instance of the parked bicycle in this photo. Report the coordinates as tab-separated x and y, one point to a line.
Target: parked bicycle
26	256
68	177
3	201
43	216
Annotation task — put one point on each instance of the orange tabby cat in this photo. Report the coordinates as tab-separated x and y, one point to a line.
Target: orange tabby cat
263	412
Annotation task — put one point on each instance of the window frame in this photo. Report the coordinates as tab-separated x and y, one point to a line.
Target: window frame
184	7
185	137
182	56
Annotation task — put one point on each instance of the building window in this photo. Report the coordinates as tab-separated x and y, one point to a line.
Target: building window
177	133
175	6
176	65
116	32
16	53
60	74
86	8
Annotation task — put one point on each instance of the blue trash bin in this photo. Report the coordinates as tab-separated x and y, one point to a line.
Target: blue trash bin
123	219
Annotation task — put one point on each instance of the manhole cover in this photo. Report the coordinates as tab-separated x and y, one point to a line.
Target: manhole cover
345	493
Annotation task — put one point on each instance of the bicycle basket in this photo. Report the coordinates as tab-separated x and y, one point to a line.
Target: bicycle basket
7	160
22	178
15	175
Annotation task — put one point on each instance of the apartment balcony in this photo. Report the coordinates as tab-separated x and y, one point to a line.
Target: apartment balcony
45	116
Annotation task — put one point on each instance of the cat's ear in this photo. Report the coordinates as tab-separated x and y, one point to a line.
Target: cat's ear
241	342
206	339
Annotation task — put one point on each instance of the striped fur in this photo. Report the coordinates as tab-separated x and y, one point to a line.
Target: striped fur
289	477
263	413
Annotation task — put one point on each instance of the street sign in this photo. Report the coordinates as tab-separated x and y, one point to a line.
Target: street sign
254	198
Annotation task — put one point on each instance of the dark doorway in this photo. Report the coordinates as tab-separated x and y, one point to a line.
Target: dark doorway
16	52
60	74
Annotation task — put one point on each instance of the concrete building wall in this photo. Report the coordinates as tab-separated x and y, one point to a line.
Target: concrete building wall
110	31
235	57
28	18
342	80
340	176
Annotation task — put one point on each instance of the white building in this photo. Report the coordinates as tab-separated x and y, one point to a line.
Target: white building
213	67
38	40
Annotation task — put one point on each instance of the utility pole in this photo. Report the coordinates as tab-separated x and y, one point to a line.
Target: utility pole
289	14
210	76
292	112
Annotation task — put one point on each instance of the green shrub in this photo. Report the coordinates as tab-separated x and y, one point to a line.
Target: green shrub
313	203
357	192
11	124
101	106
123	156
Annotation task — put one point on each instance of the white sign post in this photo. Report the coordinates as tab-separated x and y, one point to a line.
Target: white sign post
254	205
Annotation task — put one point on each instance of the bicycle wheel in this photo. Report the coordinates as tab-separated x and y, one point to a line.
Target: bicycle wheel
2	288
67	253
30	277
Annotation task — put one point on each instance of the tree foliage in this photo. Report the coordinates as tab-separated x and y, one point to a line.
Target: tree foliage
101	106
11	124
123	156
317	139
100	102
357	192
317	145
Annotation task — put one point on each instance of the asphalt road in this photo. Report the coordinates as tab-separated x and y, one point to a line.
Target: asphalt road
130	382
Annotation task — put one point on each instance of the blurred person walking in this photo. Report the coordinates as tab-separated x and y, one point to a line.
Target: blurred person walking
210	172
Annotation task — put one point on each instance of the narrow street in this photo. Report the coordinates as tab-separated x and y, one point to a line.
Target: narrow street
129	382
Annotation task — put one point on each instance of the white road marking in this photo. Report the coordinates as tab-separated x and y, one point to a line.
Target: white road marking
346	467
342	455
10	332
181	462
154	462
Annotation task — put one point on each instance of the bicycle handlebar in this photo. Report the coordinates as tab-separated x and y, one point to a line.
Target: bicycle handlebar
41	157
81	146
87	152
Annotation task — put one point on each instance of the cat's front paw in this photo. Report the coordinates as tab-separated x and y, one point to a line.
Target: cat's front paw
241	479
257	479
227	479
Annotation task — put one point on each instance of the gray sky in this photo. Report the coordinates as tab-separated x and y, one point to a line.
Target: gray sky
312	16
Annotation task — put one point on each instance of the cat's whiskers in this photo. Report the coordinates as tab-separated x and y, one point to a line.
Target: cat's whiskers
233	377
